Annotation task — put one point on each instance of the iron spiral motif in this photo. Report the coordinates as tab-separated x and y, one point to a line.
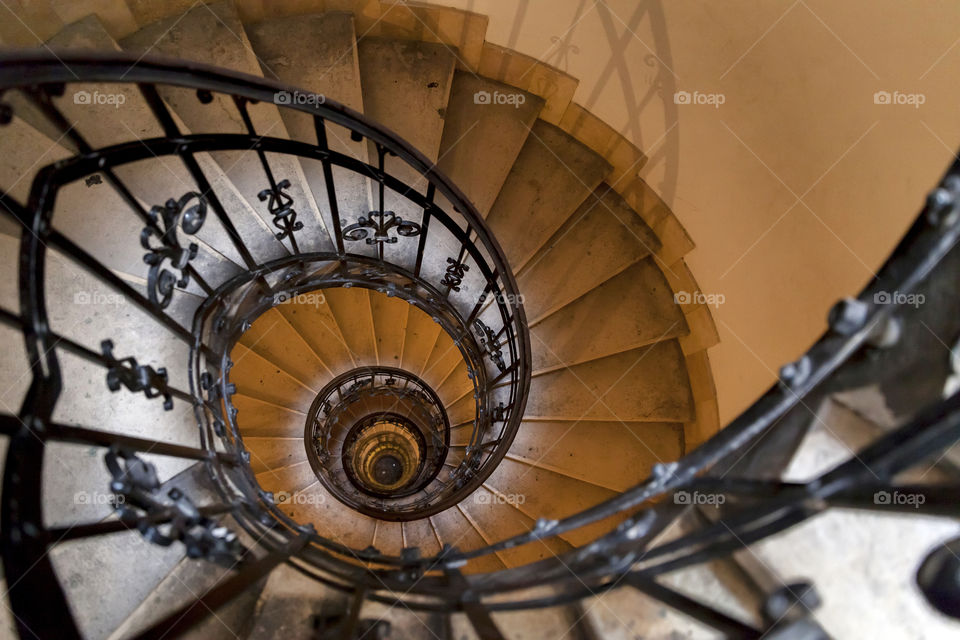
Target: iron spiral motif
454	275
126	372
165	219
280	206
135	485
488	339
380	223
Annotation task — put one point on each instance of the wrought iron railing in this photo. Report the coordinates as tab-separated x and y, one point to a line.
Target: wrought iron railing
360	399
743	462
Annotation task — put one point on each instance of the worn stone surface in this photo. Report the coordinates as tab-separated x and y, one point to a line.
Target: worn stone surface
630	310
482	137
553	174
604	236
646	384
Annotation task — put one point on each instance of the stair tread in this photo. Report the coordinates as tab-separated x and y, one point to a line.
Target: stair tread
646	384
351	309
634	308
499	518
272	337
553	174
255	376
213	34
604	236
324	62
613	455
540	489
482	140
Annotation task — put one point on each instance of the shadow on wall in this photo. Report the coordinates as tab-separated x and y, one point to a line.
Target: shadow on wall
655	96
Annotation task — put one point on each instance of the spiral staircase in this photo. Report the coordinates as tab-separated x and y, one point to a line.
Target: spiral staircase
342	322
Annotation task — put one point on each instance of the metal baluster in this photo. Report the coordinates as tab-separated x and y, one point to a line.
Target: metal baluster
425	228
697	610
162	114
319	126
190	615
280	204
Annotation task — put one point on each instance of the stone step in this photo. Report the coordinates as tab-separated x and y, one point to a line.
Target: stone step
553	174
418	342
535	491
613	455
390	317
257	417
316	324
482	136
333	519
274	339
455	529
456	385
497	516
274	454
324	62
632	309
254	376
213	34
388	537
444	357
604	236
644	385
421	534
406	85
352	311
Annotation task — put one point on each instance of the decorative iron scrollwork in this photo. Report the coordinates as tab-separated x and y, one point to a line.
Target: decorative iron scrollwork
454	275
135	485
380	223
488	340
128	373
166	218
280	206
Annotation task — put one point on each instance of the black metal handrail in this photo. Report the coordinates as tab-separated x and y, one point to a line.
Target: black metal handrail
498	354
329	437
